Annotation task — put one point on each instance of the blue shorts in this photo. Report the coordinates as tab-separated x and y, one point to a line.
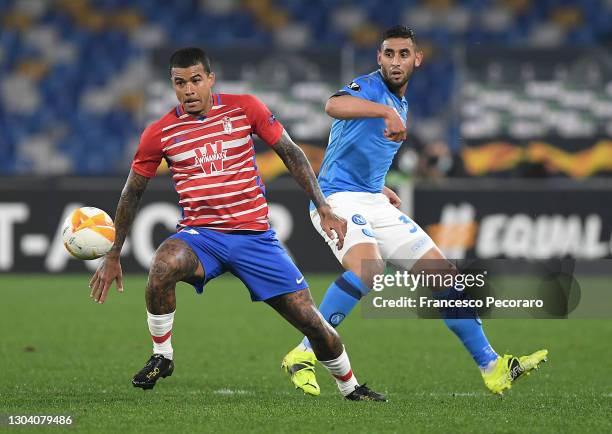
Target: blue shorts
257	259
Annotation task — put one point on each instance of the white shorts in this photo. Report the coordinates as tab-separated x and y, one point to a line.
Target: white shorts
372	219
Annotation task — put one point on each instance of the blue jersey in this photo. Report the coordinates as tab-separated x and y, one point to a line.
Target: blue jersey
358	155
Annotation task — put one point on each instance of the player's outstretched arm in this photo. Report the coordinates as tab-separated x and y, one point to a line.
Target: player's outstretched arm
300	168
350	107
110	267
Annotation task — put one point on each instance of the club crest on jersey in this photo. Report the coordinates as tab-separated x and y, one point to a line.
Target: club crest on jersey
210	157
358	219
227	125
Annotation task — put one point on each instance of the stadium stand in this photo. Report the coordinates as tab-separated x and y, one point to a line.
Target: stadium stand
73	73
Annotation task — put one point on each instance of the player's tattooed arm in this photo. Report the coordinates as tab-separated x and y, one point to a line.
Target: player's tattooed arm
126	209
301	170
109	270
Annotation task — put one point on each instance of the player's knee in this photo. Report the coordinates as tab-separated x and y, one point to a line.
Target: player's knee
173	261
433	262
370	270
164	271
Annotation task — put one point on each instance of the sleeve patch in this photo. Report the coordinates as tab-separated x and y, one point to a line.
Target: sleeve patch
354	86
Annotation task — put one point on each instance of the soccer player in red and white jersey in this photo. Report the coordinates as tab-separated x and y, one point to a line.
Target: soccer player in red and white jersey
206	141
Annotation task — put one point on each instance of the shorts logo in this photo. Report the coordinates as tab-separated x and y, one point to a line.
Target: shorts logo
191	231
368	232
358	219
419	244
336	318
271	119
354	86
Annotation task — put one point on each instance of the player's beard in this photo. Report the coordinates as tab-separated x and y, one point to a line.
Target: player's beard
395	85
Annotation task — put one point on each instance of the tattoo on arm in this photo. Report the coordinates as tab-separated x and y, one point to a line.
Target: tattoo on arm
127	207
299	167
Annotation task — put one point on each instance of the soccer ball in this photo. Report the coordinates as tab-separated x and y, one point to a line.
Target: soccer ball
88	233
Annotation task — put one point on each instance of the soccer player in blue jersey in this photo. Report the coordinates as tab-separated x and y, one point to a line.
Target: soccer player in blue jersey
370	124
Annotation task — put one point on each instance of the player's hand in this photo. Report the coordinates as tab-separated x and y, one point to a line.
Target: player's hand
394	199
333	225
108	271
395	129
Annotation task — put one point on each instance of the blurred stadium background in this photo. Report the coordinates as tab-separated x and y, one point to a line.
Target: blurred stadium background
511	114
508	157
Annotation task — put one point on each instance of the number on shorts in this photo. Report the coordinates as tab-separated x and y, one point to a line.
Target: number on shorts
413	227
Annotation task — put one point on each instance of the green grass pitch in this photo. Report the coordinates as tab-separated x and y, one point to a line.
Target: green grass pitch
63	354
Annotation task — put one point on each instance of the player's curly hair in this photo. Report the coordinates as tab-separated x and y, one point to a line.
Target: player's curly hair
189	56
399	31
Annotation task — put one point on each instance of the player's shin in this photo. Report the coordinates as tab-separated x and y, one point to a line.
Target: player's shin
160	327
467	326
339	300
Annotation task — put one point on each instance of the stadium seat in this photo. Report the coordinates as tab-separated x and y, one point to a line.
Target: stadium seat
74	53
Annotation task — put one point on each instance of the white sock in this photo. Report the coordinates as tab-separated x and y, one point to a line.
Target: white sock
160	327
340	368
490	367
303	347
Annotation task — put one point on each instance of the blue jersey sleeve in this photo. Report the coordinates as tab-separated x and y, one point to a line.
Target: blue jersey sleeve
363	87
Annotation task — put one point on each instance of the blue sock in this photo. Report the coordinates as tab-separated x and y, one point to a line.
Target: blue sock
464	322
340	299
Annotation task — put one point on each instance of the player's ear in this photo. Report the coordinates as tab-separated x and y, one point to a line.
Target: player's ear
211	78
378	56
418	57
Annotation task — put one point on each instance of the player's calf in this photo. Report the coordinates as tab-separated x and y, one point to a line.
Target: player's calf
363	262
299	309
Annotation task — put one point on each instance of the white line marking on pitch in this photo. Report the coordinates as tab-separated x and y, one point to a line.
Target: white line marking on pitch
231	392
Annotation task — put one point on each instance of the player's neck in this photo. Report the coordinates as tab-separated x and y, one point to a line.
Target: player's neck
207	107
397	91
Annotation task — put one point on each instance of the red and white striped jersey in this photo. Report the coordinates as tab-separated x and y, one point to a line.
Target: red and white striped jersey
212	161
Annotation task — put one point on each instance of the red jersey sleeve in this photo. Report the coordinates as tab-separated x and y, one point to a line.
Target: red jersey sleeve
263	122
149	152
